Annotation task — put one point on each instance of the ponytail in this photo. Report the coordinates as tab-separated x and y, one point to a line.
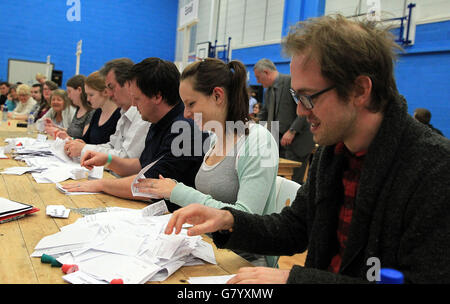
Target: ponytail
238	100
210	73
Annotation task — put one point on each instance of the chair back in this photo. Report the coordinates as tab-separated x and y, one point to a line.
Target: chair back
286	192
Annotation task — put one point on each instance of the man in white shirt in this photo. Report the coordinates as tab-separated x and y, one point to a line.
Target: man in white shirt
129	139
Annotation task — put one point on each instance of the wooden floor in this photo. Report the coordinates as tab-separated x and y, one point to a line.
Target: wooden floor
286	262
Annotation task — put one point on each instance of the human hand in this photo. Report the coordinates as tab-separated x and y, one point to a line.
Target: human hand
89	186
48	121
73	147
93	158
161	187
260	275
61	134
51	130
205	219
287	138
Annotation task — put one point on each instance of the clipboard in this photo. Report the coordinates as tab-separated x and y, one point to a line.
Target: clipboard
10	210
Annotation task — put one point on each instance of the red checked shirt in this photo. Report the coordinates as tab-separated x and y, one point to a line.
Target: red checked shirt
350	181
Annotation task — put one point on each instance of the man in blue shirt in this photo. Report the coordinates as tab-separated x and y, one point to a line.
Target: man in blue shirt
153	87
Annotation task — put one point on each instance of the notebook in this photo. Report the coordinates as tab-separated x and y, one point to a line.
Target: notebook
10	210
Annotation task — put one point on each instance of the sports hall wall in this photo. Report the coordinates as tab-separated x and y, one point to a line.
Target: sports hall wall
137	29
422	71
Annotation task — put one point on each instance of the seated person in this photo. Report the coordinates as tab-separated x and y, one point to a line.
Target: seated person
42	108
154	90
240	168
128	140
4	91
84	112
255	112
10	103
104	119
25	105
424	116
60	114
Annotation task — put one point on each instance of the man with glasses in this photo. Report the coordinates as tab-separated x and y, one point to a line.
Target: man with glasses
295	139
379	184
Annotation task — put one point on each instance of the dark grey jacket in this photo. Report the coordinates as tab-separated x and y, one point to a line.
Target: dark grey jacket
286	114
401	215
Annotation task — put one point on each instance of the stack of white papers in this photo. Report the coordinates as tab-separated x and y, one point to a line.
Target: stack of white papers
125	244
47	161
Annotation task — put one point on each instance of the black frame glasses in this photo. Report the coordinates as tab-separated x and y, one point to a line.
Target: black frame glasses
307	100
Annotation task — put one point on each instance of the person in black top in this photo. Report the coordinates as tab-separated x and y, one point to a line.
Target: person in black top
424	116
4	90
104	119
153	85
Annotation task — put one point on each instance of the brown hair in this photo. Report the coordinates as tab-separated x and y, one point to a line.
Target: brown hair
121	68
96	81
210	73
63	94
422	115
76	82
347	49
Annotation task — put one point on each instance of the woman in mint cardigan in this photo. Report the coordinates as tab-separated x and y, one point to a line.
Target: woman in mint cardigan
239	170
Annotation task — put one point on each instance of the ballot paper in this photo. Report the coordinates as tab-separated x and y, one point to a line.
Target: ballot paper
47	161
57	149
123	243
141	175
2	153
64	191
57	211
21	170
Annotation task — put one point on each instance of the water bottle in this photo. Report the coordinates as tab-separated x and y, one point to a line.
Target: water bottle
391	276
30	123
5	113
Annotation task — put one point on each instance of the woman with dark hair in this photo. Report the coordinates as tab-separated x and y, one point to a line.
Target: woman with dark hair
240	168
84	112
44	105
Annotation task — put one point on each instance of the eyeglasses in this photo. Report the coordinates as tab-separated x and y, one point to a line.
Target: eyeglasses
307	100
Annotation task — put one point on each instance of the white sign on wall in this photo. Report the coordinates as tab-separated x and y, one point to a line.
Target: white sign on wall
189	14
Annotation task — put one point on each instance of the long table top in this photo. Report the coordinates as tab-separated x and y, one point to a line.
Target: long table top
18	238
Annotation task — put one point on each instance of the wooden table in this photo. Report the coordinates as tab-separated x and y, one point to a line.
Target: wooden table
286	167
19	238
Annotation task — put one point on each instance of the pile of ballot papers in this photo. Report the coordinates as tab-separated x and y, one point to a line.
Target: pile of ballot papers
46	160
125	244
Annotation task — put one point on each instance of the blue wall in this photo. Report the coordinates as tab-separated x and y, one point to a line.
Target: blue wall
137	29
422	71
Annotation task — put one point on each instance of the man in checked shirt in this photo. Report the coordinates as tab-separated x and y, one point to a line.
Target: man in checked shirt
379	184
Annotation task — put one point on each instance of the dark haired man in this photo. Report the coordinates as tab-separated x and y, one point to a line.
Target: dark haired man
154	91
128	141
4	90
379	184
36	92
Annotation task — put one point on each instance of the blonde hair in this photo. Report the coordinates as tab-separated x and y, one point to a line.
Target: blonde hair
23	89
96	81
40	76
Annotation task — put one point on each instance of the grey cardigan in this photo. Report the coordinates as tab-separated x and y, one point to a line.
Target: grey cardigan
401	215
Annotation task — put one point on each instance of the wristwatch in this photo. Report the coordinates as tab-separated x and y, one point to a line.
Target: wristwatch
292	130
